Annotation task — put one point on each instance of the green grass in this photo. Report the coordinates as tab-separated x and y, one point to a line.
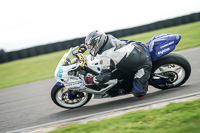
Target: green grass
174	118
43	67
29	69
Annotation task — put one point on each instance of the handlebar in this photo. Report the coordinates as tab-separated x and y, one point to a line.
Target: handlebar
81	59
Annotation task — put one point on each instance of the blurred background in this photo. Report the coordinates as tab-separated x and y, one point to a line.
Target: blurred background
28	23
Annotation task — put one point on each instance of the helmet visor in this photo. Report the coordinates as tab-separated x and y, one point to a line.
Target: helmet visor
92	45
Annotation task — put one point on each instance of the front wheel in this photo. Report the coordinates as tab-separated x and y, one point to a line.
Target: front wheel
59	95
175	67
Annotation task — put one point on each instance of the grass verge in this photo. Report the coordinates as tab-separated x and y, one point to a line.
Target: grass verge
174	118
43	66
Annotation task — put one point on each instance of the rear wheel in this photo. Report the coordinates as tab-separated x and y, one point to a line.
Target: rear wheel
175	67
59	95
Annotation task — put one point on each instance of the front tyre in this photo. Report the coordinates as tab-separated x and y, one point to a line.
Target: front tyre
59	95
174	66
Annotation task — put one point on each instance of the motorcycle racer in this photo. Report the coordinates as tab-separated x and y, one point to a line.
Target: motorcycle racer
129	56
118	68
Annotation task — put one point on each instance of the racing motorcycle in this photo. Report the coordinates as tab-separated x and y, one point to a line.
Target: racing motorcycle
169	70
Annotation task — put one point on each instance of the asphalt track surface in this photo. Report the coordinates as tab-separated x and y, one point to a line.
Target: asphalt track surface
30	104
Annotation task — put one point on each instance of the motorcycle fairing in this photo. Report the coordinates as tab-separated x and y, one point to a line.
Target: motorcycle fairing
59	84
162	44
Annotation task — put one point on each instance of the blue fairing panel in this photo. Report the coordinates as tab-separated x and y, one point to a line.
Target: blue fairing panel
162	44
59	84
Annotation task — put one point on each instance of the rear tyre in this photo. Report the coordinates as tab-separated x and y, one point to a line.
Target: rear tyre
59	95
174	65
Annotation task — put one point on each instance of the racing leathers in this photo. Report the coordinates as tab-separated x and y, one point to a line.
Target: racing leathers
128	56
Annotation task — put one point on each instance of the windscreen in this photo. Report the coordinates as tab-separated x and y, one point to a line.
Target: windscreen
69	58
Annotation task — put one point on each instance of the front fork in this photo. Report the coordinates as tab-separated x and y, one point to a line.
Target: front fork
71	94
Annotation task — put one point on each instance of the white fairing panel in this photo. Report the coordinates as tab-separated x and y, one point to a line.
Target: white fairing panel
65	66
94	63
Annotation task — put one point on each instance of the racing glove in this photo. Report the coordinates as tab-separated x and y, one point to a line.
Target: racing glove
89	79
82	48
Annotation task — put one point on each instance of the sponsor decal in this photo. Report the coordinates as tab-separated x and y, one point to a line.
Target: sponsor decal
76	78
74	83
60	71
168	44
98	68
95	63
163	51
